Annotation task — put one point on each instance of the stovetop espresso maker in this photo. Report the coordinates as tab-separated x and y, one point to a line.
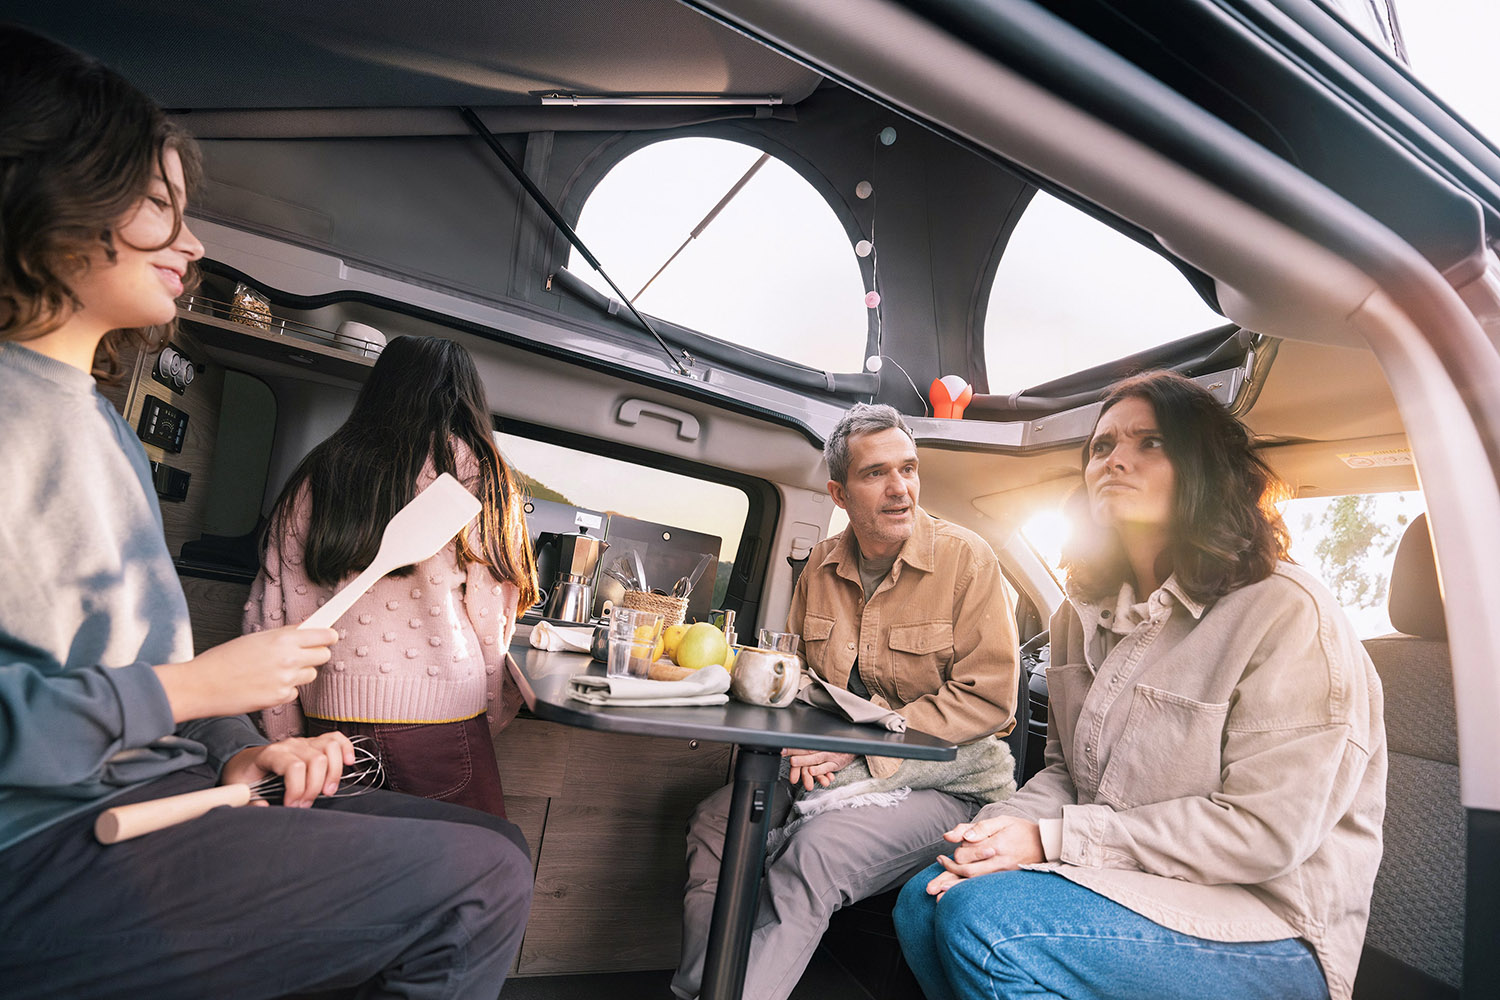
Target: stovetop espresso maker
566	564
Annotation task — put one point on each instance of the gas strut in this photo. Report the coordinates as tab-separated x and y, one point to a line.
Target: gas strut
552	213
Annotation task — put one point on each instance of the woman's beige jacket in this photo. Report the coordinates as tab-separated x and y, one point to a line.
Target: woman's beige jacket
1219	770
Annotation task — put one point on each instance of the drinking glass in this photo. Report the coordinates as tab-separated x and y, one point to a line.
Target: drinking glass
784	642
632	641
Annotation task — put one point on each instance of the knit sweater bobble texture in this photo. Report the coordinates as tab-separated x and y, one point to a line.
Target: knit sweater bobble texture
424	648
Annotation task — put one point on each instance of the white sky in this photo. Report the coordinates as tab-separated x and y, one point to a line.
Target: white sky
642	492
774	270
1451	45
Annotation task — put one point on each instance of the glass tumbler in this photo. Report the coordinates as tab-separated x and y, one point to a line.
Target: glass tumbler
783	642
633	635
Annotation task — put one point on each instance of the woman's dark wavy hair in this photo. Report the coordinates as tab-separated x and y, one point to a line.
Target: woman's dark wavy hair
423	394
78	148
1226	531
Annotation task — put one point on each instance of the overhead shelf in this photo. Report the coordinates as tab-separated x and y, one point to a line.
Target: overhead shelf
299	347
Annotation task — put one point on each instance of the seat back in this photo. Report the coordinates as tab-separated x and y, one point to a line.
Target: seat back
1414	946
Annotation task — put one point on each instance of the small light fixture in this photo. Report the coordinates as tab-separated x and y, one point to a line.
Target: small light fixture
654	100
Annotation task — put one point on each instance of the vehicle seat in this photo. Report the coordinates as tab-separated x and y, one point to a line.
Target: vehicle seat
1414	945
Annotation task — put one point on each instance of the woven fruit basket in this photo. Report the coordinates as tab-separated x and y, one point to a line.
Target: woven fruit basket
671	609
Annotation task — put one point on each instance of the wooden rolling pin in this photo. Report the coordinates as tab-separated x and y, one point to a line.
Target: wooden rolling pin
125	822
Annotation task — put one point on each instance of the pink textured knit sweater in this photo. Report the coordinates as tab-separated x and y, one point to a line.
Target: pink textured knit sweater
429	647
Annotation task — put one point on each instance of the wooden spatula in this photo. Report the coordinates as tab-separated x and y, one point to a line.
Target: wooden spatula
417	531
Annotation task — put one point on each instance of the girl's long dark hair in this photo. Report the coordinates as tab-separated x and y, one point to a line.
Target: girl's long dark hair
78	147
1226	531
423	394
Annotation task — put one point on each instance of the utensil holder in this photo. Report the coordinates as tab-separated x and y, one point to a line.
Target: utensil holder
671	609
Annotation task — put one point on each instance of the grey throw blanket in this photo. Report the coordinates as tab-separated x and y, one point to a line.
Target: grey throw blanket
983	772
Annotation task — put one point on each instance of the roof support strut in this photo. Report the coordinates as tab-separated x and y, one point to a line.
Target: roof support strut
680	364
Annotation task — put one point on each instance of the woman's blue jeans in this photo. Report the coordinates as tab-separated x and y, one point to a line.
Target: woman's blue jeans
1036	934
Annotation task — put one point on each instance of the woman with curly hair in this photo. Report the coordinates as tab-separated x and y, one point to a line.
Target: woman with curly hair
1208	822
102	701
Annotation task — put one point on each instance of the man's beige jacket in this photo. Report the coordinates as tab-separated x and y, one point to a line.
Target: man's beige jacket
936	641
1219	770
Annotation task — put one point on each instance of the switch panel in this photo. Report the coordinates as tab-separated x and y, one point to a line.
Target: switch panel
171	484
162	424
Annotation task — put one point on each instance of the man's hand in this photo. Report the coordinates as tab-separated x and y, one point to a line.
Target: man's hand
998	844
308	767
814	765
246	674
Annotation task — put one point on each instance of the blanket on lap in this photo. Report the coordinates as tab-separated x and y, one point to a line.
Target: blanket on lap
983	772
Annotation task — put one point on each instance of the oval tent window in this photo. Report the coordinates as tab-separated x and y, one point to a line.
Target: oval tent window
774	270
1070	293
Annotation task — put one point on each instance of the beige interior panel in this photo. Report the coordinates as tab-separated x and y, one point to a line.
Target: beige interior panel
1321	393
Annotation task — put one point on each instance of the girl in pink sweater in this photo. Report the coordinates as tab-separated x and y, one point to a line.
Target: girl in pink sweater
420	662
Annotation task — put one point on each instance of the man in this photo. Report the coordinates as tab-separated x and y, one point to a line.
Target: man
907	611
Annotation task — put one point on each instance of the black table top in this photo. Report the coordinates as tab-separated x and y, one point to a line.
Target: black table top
543	678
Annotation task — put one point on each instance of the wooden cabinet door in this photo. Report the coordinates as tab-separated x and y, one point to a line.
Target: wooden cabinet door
609	868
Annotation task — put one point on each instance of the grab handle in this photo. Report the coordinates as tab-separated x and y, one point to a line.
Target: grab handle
631	411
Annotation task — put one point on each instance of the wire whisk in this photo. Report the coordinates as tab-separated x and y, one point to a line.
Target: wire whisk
137	818
365	774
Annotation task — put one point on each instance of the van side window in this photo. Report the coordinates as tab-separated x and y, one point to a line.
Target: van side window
1070	293
773	271
1349	542
579	478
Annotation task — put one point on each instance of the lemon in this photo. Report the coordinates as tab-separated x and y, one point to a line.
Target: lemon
671	637
701	645
643	636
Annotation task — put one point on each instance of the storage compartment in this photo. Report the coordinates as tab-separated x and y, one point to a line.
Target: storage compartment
609	856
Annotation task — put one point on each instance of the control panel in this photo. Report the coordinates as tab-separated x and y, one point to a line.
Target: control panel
174	369
162	424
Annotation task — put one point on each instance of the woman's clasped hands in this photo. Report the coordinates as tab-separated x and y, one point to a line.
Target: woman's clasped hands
996	844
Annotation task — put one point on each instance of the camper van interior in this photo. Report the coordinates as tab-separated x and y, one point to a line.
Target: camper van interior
680	239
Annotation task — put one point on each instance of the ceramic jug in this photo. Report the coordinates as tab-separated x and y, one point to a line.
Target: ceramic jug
766	677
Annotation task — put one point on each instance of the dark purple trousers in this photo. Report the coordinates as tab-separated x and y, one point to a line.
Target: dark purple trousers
447	761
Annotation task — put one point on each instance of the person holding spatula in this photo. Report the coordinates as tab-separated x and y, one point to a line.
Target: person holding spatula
102	702
420	662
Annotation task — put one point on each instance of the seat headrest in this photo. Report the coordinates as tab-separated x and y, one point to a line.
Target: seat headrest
1415	602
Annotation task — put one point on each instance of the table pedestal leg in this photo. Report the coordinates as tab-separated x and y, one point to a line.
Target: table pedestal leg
755	775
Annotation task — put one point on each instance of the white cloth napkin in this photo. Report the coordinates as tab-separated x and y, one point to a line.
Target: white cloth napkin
707	686
545	635
846	704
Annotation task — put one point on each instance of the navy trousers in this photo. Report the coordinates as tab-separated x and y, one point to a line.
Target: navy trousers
380	895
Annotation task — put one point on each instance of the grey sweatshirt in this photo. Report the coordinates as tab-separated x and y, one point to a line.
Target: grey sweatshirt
89	602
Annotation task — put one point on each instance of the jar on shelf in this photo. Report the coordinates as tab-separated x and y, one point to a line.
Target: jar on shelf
250	307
